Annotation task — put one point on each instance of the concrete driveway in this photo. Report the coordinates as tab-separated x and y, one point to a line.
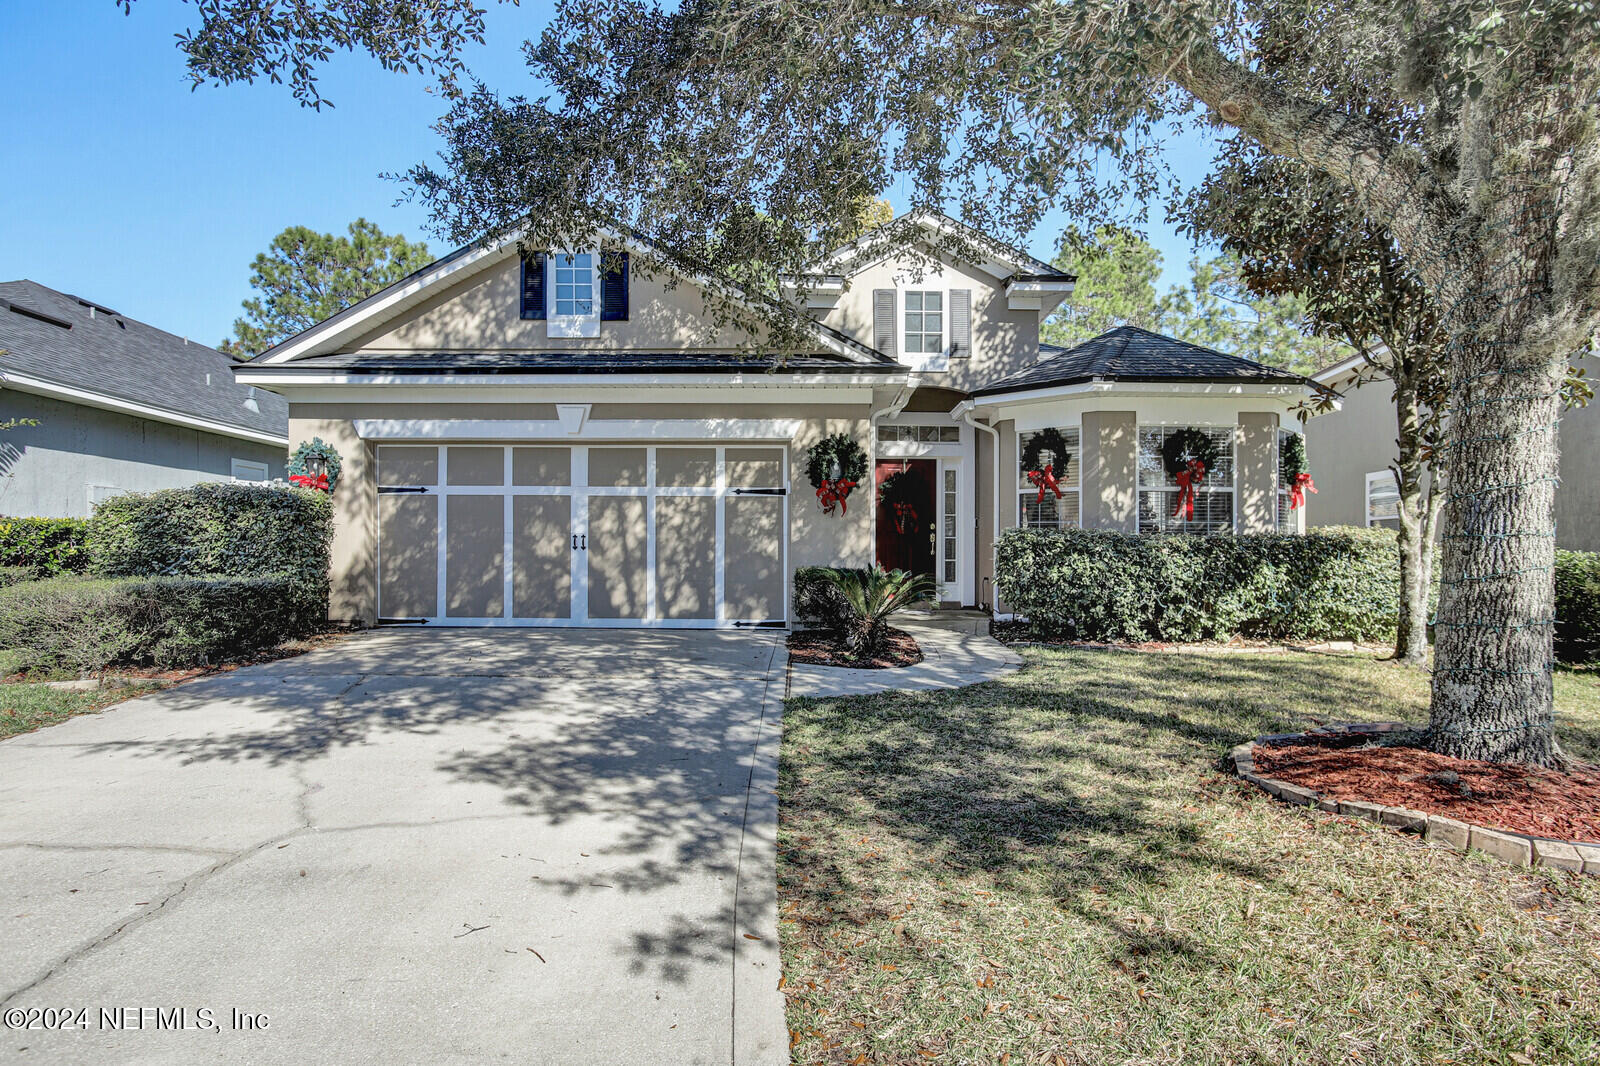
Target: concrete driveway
458	845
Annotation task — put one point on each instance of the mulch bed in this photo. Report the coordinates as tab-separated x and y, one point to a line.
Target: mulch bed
822	647
1523	799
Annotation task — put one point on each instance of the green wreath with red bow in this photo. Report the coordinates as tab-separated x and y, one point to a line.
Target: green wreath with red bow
1292	463
1187	454
835	465
898	494
304	459
1046	477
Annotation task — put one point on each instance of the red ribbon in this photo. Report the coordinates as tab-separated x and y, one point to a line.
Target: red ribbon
831	494
306	481
1298	488
905	517
1187	479
1045	479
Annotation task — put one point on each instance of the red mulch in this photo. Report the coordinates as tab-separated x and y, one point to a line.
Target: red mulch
822	647
1523	799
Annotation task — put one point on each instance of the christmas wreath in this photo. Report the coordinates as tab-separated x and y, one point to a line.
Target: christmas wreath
835	465
1187	454
898	493
315	465
1046	478
1292	464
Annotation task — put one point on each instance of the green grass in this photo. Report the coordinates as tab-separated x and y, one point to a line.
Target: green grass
1052	869
26	706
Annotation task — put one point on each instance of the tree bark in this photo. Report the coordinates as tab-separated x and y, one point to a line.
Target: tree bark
1415	541
1492	688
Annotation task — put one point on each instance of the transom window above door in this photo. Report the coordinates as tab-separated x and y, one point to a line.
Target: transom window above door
924	322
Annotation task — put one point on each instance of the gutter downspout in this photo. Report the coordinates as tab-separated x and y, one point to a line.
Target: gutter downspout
896	405
968	414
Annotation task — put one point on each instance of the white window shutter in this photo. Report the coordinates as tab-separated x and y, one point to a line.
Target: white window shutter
960	323
883	321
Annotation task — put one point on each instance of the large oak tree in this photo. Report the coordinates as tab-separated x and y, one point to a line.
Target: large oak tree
742	131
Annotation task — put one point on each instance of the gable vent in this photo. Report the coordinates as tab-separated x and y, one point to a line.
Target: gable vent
40	316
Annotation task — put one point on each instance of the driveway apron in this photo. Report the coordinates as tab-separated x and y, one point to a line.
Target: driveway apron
419	846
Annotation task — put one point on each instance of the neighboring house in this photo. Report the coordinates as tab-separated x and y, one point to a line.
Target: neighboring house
121	406
1351	450
527	442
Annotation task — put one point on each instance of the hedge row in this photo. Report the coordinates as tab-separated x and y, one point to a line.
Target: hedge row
1330	584
1577	605
45	546
89	624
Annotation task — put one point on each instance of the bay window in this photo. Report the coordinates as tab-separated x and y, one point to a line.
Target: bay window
1159	491
1050	512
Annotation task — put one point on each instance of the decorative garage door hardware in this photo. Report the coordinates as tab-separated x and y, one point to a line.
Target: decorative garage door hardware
687	535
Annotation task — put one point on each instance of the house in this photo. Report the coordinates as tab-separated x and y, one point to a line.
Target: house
1353	448
120	406
560	439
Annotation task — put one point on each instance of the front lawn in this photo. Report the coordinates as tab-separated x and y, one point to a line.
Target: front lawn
1052	869
26	706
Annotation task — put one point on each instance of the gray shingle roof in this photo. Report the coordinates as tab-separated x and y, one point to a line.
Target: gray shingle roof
1129	353
122	358
561	362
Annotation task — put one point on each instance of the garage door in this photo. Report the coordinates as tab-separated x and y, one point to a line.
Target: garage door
605	535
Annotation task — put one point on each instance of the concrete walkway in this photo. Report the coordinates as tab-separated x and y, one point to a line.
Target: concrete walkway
952	656
446	846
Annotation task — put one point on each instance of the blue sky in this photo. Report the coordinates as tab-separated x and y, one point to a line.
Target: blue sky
122	185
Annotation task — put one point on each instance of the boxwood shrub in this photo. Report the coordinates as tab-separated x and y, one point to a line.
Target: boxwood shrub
89	624
1330	584
1577	605
46	546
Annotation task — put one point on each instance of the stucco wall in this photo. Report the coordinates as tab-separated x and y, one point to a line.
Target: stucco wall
1003	340
52	469
1344	446
1110	442
1255	496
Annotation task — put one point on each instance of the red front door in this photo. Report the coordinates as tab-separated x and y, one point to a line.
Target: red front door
907	525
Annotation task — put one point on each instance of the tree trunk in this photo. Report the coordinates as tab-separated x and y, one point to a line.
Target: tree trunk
1492	691
1411	636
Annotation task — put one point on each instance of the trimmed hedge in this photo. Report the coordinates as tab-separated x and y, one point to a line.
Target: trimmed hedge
1329	584
89	624
1577	605
816	600
46	546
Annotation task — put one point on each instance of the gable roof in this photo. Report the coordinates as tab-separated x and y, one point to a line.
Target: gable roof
1004	261
1129	353
55	344
325	337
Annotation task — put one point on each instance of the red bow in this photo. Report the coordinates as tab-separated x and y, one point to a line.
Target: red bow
1298	488
309	482
1045	479
832	493
1187	479
905	517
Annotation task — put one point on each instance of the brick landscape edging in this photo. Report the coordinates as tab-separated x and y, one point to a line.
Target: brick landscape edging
1518	849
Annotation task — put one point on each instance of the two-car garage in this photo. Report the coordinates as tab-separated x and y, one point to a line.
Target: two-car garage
688	535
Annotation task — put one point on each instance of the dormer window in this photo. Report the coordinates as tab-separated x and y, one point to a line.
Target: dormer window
574	312
924	322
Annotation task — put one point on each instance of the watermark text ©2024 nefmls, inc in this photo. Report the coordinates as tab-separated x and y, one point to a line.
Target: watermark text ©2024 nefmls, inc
133	1019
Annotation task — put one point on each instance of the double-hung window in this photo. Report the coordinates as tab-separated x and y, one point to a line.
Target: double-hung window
574	311
1050	512
924	322
1383	499
1159	492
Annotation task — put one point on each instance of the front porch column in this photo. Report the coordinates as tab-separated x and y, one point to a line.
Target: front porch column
1256	459
1110	470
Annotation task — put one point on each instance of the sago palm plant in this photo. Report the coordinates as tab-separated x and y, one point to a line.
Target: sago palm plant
872	596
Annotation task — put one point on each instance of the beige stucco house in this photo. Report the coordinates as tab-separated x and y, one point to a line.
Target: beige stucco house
1354	448
558	439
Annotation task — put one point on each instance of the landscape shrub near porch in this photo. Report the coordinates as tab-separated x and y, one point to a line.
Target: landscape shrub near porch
45	546
1577	605
1331	584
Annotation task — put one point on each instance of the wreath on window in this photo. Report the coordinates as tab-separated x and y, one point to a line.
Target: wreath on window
899	493
835	465
315	465
1292	467
1187	454
1046	478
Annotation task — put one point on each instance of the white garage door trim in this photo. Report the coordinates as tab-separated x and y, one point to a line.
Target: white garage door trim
579	493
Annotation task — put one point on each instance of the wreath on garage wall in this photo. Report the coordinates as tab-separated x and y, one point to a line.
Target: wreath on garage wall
835	465
899	493
1187	454
1292	468
315	465
1046	477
